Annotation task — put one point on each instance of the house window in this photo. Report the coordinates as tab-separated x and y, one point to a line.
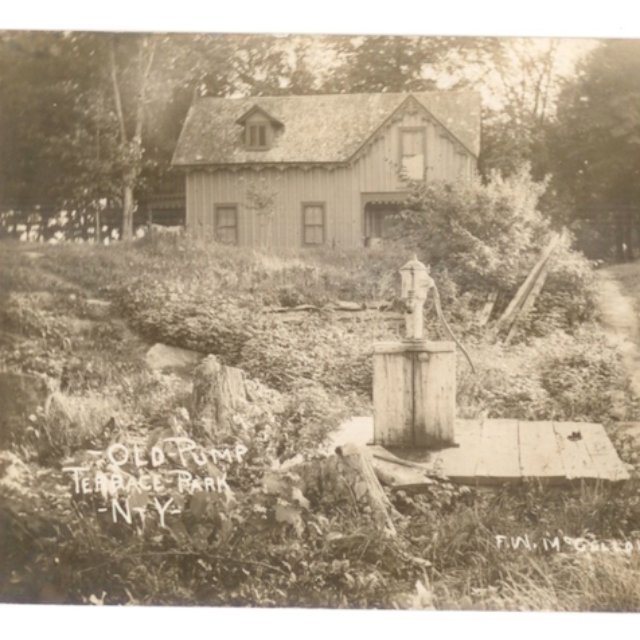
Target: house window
413	152
313	224
226	224
257	136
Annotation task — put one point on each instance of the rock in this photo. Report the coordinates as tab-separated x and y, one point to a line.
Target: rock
14	473
20	395
97	309
162	357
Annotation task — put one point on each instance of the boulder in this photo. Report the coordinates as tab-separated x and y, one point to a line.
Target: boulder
345	305
162	357
97	309
20	396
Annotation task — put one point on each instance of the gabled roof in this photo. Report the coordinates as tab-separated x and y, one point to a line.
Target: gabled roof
316	128
256	109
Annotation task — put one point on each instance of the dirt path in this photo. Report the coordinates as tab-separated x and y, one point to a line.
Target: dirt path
618	306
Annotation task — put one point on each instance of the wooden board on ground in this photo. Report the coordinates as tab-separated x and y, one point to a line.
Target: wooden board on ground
539	452
575	455
461	462
499	454
605	460
493	452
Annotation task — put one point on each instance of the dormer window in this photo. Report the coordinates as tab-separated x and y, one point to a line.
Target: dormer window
256	136
259	129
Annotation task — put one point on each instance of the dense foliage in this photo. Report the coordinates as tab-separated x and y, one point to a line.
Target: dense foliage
594	149
484	235
281	541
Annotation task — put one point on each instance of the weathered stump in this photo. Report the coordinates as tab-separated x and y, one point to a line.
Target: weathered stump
350	475
218	392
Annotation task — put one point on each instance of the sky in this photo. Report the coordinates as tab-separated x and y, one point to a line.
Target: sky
418	17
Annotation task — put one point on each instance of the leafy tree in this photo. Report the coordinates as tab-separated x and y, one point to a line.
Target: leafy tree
91	118
373	64
521	87
596	144
54	129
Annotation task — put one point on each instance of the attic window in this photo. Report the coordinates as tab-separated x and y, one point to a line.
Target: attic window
257	136
259	129
413	152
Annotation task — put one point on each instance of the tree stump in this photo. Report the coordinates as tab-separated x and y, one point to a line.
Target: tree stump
218	392
349	474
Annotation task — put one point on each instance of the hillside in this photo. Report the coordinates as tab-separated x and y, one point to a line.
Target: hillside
301	327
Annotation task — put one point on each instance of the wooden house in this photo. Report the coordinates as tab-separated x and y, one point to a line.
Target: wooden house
296	171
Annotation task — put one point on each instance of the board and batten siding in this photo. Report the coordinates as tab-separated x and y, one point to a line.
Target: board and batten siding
293	187
339	189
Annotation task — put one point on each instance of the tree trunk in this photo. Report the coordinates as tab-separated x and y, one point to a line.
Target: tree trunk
127	211
131	148
97	229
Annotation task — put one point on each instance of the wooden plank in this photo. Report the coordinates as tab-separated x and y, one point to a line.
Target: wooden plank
528	303
606	462
459	463
434	388
539	453
575	455
499	458
414	345
528	284
485	314
399	476
397	472
393	399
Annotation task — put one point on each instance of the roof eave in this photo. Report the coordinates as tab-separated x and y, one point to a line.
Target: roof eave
240	165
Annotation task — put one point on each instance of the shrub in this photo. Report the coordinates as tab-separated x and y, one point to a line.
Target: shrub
484	234
336	355
485	237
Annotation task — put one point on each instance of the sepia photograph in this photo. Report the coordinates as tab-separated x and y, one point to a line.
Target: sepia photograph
319	321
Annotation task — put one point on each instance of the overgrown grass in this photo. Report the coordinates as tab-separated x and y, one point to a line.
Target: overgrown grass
214	299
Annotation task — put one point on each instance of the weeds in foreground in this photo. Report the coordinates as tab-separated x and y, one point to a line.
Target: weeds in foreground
332	554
